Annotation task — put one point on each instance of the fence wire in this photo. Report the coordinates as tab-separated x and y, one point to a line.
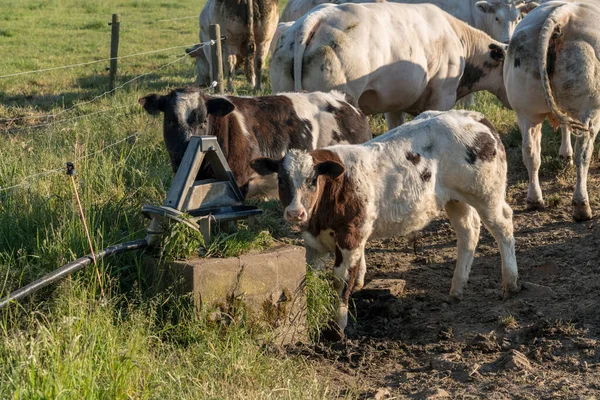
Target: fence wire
95	61
48	116
26	181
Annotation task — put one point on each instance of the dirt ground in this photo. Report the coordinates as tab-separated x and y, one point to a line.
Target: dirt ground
540	343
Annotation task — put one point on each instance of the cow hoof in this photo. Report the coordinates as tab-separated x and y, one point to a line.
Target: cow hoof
510	290
535	205
566	161
454	298
582	211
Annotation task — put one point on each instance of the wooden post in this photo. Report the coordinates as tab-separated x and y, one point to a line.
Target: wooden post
251	49
114	49
216	55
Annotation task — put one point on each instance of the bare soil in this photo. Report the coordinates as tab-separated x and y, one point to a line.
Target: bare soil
541	343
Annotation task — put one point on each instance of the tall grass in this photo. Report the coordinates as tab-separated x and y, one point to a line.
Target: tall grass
66	341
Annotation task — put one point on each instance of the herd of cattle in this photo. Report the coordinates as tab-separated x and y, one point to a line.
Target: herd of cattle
311	145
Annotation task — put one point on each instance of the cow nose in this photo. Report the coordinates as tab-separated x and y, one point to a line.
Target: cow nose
296	215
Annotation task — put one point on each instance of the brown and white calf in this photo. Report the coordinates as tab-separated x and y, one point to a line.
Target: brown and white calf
393	58
552	70
250	127
232	16
396	184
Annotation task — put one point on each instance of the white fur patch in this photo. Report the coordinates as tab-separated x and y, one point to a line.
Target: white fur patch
186	103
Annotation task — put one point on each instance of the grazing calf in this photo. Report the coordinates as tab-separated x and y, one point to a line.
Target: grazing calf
250	127
232	16
552	70
396	184
392	58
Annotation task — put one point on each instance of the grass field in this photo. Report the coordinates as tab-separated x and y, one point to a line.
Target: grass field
67	342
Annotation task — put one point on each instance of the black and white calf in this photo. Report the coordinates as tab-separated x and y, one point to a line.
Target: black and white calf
250	127
396	184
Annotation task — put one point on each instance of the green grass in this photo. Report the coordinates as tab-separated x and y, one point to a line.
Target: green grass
66	341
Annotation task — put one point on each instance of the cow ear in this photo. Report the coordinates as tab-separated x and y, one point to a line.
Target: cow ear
219	106
526	8
332	169
153	103
265	166
497	53
485	7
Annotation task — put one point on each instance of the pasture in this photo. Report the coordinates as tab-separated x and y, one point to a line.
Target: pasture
68	341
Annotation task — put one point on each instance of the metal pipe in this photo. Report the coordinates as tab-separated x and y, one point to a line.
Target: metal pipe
69	268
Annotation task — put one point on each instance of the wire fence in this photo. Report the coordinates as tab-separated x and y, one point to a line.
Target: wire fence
49	116
94	62
28	180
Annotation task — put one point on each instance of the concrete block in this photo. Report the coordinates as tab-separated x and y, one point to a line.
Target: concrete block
270	285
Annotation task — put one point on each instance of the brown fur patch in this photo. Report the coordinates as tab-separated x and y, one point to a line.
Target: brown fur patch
353	126
426	175
338	207
413	158
483	148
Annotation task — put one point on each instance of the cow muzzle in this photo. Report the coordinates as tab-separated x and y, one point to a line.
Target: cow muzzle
295	214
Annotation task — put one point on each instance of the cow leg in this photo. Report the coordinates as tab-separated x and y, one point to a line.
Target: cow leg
566	150
466	224
345	272
231	62
497	219
394	118
261	56
584	147
360	277
532	149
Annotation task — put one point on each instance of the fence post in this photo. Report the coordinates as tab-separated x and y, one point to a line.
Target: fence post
216	55
251	48
114	49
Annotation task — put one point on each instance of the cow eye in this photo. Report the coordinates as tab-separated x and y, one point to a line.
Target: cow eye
497	19
314	180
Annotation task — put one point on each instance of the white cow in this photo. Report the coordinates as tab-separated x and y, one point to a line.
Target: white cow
392	57
232	16
396	184
497	18
552	70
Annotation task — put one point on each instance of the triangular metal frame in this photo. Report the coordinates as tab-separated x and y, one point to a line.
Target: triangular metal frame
219	199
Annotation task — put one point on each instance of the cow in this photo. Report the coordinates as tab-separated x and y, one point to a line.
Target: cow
232	16
566	149
396	184
552	70
497	18
250	127
281	27
393	58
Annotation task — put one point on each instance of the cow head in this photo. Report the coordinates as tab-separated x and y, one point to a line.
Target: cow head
499	18
185	113
301	179
484	71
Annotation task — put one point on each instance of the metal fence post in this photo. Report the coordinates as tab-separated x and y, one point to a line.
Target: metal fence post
216	55
114	49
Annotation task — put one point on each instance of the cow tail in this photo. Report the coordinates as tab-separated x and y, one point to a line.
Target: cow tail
549	35
303	36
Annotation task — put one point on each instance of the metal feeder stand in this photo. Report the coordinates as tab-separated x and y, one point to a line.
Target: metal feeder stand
199	203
